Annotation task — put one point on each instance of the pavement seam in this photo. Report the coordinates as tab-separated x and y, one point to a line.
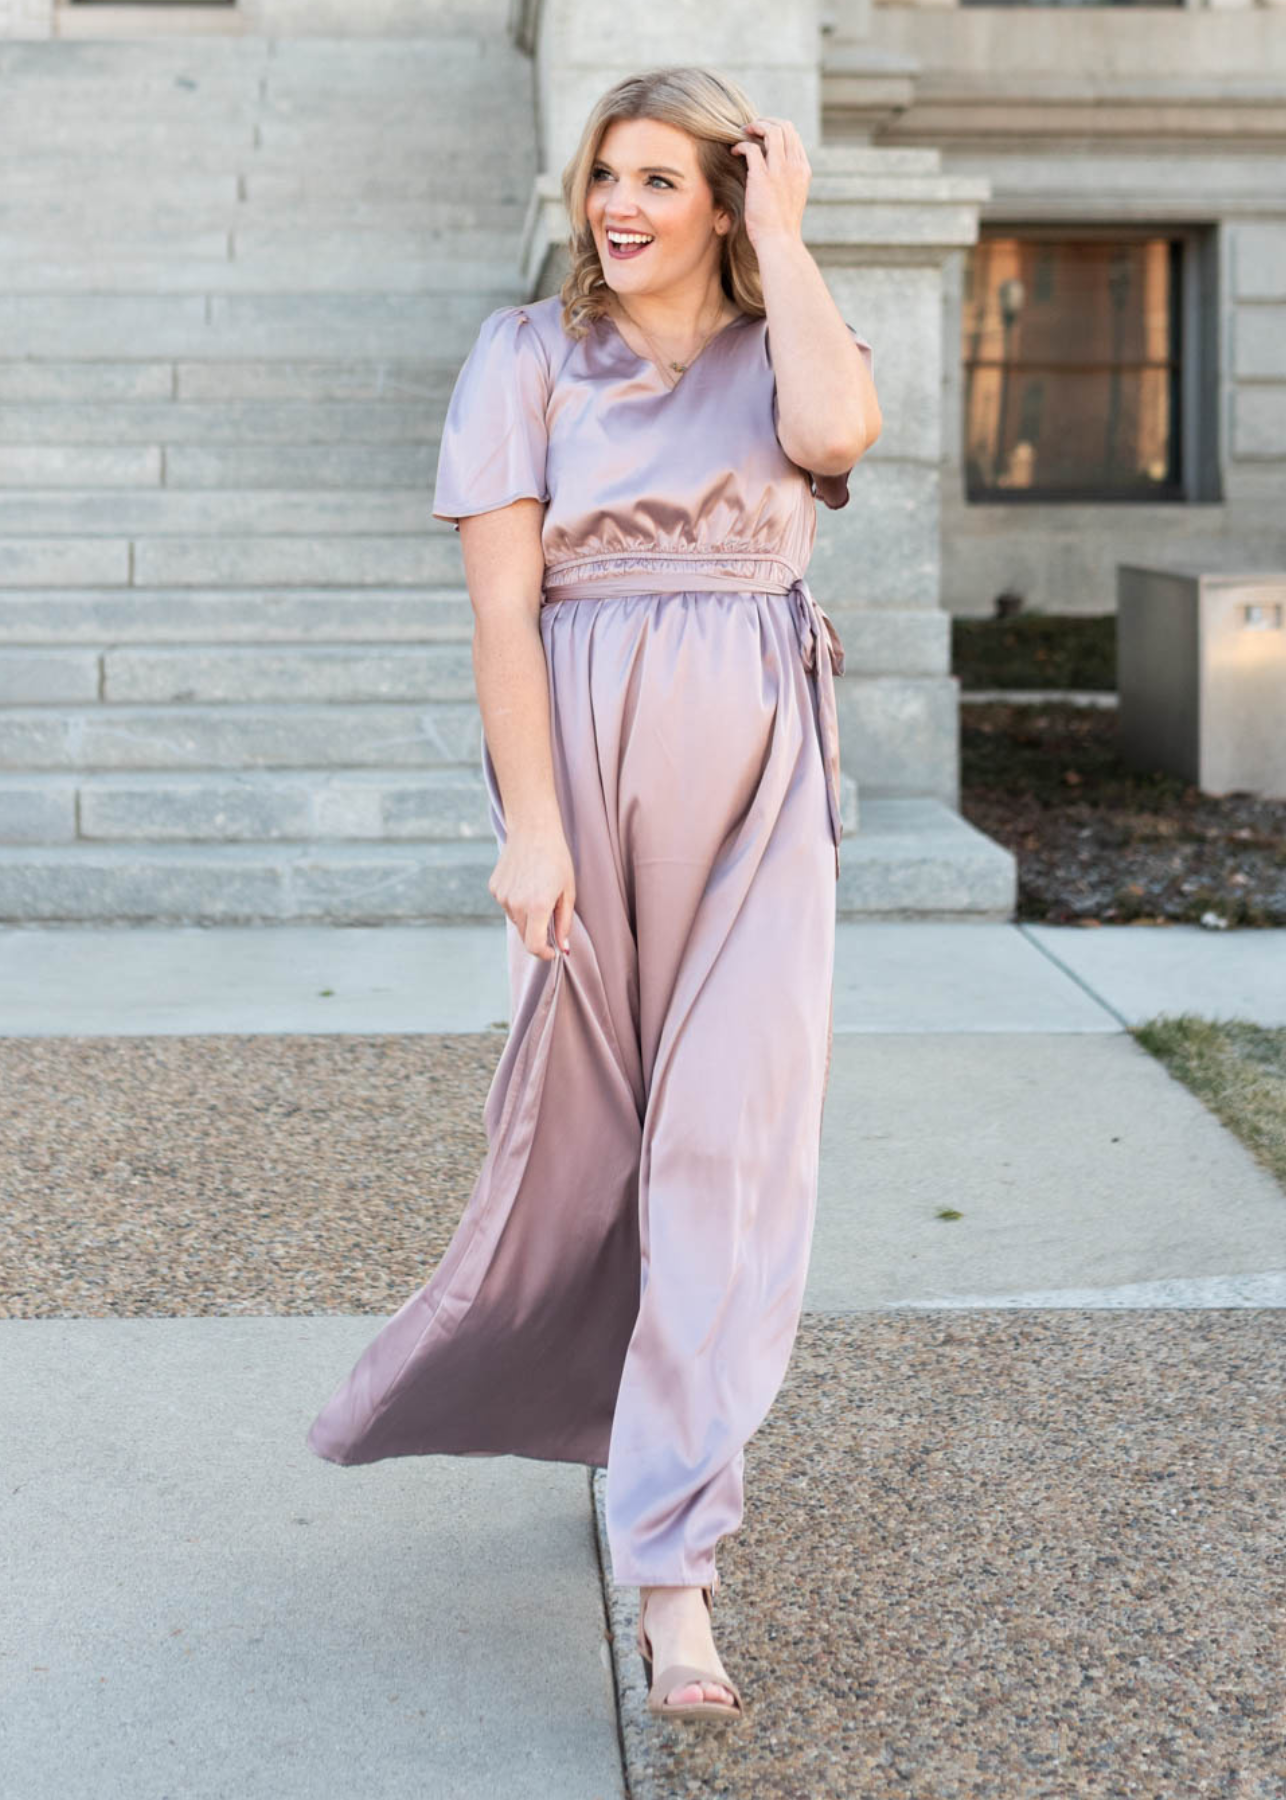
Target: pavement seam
616	1673
1072	975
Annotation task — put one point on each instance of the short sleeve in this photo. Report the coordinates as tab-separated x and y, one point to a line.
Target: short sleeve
495	437
833	489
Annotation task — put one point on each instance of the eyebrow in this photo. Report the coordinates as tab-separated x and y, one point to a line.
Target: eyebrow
648	169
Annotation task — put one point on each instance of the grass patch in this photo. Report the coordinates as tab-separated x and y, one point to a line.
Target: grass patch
1237	1069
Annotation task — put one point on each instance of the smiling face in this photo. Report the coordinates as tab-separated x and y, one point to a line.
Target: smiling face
646	183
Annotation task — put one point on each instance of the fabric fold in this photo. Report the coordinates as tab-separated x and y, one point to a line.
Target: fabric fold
815	626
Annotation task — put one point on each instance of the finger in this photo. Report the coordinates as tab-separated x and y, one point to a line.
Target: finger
563	920
535	940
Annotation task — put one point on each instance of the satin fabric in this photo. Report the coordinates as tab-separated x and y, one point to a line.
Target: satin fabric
625	1284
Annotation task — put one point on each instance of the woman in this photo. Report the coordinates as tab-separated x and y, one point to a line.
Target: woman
632	465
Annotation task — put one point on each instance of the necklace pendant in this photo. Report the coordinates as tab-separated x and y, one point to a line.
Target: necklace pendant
681	367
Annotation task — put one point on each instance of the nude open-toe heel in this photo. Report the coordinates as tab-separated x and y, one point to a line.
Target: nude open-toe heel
679	1674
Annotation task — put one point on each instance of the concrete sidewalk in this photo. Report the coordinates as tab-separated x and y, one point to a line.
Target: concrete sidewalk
198	1606
889	976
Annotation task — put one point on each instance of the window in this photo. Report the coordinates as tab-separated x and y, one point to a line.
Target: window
1073	366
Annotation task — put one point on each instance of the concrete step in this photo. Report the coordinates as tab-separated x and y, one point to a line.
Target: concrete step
34	193
335	270
446	805
97	617
248	242
881	645
371	734
438	99
304	466
353	379
240	151
469	201
100	63
916	857
37	208
244	326
69	137
159	512
79	466
306	560
290	468
323	880
402	419
909	859
206	674
473	37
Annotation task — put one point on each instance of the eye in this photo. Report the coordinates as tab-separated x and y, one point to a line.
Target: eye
661	178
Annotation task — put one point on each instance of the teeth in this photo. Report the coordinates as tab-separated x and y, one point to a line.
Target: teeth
628	237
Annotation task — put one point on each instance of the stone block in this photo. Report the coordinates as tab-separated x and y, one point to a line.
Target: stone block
1258	256
300	466
68	382
243	737
1259	425
1259	344
72	466
46	677
181	513
38	809
900	734
64	562
255	673
917	858
882	549
234	615
300	562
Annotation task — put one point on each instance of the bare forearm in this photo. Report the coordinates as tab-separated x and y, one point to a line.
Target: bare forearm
512	679
828	412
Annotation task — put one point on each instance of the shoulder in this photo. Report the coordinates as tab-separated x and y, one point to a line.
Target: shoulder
528	324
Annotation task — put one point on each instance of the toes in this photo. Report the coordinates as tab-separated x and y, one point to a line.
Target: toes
696	1691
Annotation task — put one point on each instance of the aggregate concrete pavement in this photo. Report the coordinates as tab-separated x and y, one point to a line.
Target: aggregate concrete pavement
194	1611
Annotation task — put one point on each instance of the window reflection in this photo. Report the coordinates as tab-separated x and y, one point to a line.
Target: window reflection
1071	358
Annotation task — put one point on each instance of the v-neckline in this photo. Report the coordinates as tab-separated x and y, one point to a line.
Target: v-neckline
651	363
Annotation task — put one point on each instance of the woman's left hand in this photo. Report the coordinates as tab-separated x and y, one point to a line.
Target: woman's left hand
777	177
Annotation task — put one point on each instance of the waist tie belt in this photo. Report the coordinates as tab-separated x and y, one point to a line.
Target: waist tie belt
813	629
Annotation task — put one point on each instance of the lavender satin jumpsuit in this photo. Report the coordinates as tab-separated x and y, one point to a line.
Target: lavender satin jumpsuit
626	1281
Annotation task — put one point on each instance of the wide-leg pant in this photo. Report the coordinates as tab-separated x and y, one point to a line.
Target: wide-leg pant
625	1284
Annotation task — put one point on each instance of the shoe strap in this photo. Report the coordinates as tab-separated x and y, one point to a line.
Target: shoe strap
680	1674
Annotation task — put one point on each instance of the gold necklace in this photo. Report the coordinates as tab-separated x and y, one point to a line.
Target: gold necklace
681	367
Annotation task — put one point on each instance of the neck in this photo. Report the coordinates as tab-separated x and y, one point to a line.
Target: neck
676	317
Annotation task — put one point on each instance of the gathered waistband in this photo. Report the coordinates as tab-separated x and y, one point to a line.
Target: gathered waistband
663	572
815	631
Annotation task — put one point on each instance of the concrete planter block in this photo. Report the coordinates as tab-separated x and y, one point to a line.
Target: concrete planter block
1201	675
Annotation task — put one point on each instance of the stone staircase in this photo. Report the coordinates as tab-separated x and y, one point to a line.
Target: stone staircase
237	277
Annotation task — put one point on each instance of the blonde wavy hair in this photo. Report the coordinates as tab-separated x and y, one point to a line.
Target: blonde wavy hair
712	109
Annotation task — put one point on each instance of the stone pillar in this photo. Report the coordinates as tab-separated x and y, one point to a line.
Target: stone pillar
882	225
581	47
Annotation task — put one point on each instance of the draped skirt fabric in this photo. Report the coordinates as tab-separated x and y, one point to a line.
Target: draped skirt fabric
625	1284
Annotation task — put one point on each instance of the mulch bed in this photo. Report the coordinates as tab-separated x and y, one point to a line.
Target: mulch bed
1100	843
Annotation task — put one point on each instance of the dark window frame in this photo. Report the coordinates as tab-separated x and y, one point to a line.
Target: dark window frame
1193	390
